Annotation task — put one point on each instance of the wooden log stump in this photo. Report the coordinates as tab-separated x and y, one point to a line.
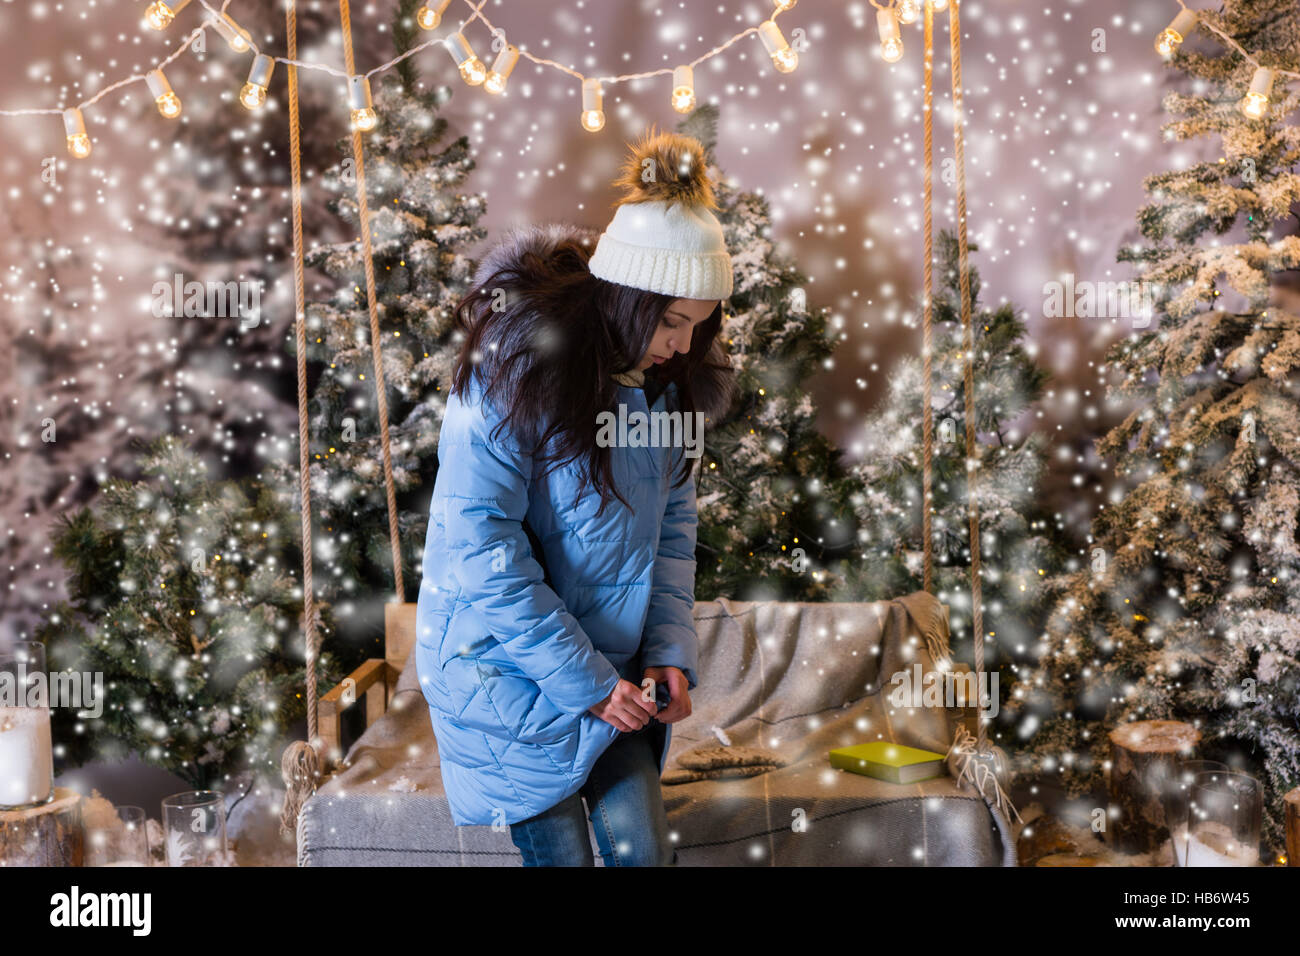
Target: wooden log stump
1144	758
1292	802
1045	836
48	835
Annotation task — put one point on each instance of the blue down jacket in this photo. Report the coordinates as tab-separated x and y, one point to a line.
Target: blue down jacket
509	665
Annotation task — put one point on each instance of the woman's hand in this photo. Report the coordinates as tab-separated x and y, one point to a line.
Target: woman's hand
680	707
625	708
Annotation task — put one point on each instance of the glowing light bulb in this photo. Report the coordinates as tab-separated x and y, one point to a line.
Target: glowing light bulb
784	58
784	5
1255	103
471	68
253	95
428	17
593	116
1174	34
908	10
159	15
74	125
938	5
235	36
501	68
683	98
364	117
169	104
891	40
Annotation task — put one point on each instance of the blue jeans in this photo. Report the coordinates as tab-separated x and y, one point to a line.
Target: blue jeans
626	808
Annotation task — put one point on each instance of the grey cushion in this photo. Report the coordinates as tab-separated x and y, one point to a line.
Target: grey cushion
796	679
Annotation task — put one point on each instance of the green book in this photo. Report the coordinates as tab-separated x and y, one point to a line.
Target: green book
894	763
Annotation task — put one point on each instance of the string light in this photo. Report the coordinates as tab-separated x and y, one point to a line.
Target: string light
74	125
908	10
1255	103
891	40
501	67
363	110
593	117
1174	34
471	68
159	15
683	98
784	58
253	94
429	18
235	35
169	104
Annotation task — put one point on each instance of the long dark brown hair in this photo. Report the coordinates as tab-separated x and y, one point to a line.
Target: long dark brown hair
544	336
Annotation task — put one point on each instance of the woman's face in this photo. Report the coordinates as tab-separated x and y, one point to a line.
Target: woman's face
676	328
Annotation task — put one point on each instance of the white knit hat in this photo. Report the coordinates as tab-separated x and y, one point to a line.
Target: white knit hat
664	237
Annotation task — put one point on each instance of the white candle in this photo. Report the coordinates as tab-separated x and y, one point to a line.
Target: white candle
1212	844
26	758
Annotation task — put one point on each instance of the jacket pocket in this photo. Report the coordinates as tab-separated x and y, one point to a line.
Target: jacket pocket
460	677
522	710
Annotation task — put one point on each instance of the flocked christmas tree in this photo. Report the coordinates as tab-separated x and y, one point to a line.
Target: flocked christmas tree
420	220
1018	545
218	214
76	383
61	371
773	494
1188	603
184	594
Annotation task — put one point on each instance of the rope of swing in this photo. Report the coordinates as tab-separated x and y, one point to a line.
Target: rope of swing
301	763
968	347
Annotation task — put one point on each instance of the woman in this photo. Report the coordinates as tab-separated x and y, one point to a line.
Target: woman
559	568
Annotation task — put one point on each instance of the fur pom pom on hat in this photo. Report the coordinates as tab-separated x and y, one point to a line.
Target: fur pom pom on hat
664	236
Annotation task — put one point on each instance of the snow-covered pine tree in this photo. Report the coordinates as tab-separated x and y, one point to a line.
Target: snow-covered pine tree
773	494
184	594
219	213
62	375
1019	545
74	382
1189	606
420	219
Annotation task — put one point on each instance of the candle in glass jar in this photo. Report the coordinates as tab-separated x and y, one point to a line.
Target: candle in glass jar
1213	844
26	760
